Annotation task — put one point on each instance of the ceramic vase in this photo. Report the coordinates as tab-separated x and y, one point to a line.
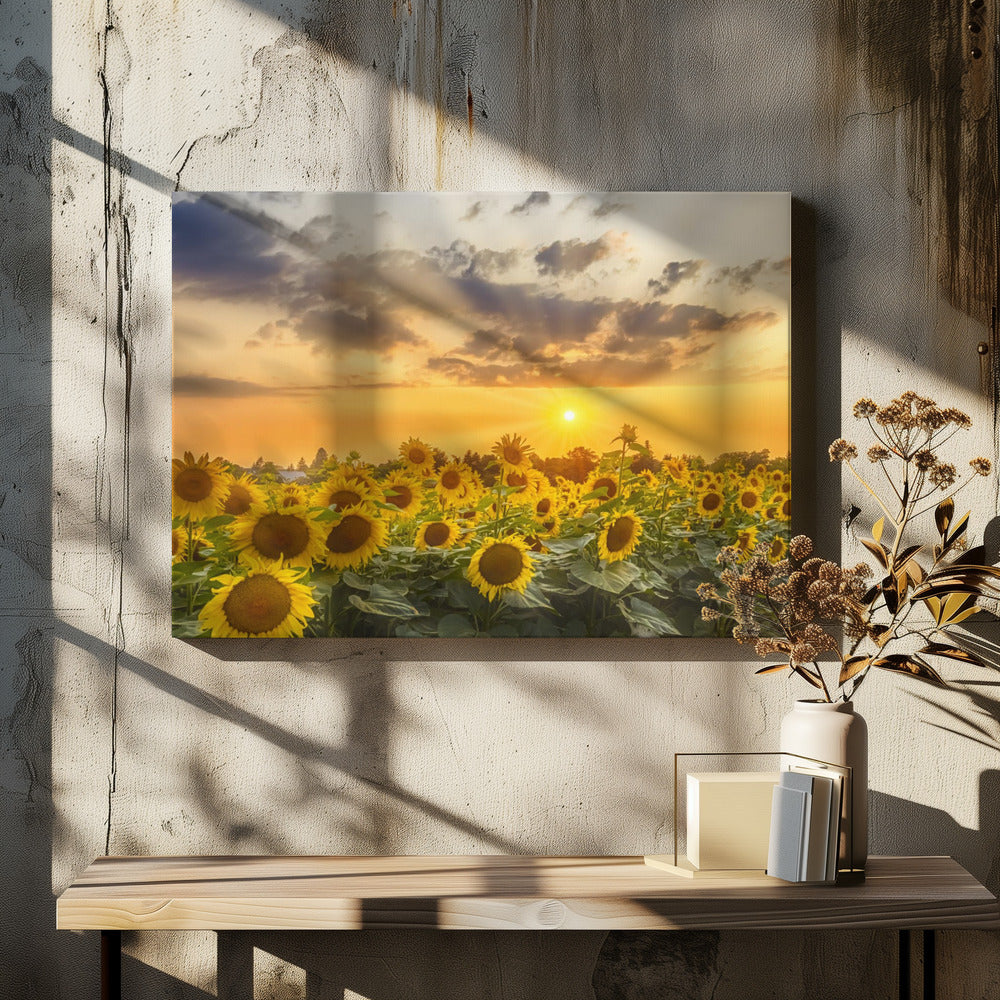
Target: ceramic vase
835	733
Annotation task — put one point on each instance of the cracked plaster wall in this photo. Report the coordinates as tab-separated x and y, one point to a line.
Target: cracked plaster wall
118	739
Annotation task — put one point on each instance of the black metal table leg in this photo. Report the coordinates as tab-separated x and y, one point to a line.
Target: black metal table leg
929	991
904	965
930	978
111	965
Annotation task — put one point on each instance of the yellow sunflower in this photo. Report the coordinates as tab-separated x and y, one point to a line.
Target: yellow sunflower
292	495
199	486
418	457
179	544
676	469
241	495
526	484
619	539
710	503
777	549
354	539
514	453
340	493
748	500
781	505
289	535
452	483
603	481
549	528
266	602
500	565
363	474
776	476
755	482
746	540
404	492
546	506
437	535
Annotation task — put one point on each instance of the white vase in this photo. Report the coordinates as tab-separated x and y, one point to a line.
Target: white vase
833	732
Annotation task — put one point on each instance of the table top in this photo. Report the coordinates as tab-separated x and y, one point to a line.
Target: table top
467	892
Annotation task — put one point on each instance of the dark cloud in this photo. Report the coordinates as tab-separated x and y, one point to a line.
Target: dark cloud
533	199
474	209
603	343
222	254
608	207
556	370
523	310
323	231
676	272
744	278
571	256
207	386
220	388
462	258
336	330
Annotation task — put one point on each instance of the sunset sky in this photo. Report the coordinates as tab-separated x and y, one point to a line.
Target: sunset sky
355	320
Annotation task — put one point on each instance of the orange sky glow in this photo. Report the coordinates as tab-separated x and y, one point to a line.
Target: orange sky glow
352	322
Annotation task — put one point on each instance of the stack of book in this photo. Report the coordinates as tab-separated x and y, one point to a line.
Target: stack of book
805	825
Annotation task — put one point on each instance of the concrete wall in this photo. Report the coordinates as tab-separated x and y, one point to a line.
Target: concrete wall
116	738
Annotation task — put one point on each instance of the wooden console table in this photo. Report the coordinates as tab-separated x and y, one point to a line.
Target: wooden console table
457	892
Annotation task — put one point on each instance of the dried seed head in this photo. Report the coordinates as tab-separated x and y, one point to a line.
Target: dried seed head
841	451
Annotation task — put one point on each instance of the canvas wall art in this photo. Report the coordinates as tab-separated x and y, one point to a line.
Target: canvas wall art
458	415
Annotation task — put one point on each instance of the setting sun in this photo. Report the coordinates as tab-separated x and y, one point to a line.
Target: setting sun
569	415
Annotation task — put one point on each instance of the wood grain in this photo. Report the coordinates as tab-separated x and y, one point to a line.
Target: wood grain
465	892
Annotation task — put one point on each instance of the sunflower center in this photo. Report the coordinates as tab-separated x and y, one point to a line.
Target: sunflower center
192	484
516	479
786	507
544	505
238	501
608	483
620	534
436	533
348	536
512	454
748	498
257	604
280	536
344	498
450	479
417	456
175	543
501	564
711	501
401	496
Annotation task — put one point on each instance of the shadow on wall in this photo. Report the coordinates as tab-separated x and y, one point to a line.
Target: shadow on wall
401	965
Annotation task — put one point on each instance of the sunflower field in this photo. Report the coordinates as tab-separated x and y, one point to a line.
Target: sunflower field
431	545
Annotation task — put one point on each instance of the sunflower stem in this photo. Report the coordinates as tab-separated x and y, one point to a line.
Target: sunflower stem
190	557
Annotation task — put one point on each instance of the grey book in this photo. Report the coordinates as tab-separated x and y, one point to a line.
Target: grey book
789	820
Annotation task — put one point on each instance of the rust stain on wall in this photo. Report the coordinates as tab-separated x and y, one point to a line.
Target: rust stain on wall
938	71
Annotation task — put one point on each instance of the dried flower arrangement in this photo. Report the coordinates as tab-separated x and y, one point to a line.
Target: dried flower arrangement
800	606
